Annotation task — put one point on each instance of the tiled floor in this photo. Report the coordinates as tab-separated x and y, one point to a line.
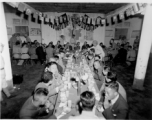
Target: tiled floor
140	102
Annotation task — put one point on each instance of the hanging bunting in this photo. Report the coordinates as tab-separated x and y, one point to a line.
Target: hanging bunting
88	22
121	16
107	24
21	7
112	22
28	11
98	20
118	18
135	8
115	18
103	21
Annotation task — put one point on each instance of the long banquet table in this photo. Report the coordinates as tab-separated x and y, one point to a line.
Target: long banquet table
69	92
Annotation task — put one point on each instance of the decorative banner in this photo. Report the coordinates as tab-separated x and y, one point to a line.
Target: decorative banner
121	15
103	21
21	7
115	18
112	22
28	11
107	24
89	20
98	20
128	12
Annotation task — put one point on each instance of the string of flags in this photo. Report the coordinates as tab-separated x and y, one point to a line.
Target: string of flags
85	22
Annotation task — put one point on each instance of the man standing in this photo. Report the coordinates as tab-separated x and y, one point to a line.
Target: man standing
98	50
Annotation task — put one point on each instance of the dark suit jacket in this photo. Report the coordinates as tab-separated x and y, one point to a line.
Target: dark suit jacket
29	111
118	111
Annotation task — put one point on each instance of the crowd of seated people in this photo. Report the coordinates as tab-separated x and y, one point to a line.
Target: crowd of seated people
41	104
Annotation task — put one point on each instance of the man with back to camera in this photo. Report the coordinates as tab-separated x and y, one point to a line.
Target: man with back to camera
87	106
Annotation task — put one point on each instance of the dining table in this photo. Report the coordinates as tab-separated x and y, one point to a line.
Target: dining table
69	96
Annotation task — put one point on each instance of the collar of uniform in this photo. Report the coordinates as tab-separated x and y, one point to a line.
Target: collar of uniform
115	99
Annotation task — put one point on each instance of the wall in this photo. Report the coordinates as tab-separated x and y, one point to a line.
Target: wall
9	22
135	24
49	34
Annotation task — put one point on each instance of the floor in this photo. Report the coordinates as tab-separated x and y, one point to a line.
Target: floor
140	102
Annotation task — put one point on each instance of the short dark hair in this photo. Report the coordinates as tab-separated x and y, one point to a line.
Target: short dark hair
46	77
87	99
40	92
93	50
122	45
106	67
129	46
17	42
51	63
112	76
113	85
56	56
97	56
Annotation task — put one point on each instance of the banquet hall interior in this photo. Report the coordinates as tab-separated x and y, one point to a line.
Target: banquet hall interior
73	60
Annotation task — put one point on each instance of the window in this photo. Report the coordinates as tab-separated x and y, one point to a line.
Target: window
120	32
22	29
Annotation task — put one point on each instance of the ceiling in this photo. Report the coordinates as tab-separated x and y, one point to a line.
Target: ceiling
103	8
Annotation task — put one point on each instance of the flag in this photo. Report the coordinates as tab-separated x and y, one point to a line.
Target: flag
21	7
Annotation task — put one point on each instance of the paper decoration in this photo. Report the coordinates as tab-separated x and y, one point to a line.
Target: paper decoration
121	16
21	7
28	11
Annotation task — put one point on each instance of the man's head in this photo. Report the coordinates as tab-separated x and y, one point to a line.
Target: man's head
87	100
52	67
129	47
90	56
105	71
61	53
18	36
62	36
95	43
101	44
111	90
92	51
97	57
56	58
111	77
78	43
47	77
97	64
40	96
17	43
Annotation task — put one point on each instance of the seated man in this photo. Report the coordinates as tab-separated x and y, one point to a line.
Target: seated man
36	106
131	56
59	66
121	56
86	106
98	76
60	61
114	106
112	77
90	60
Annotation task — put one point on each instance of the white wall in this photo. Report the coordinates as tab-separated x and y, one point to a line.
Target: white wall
9	22
50	34
135	24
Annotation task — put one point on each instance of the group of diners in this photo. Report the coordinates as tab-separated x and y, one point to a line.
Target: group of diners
112	104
